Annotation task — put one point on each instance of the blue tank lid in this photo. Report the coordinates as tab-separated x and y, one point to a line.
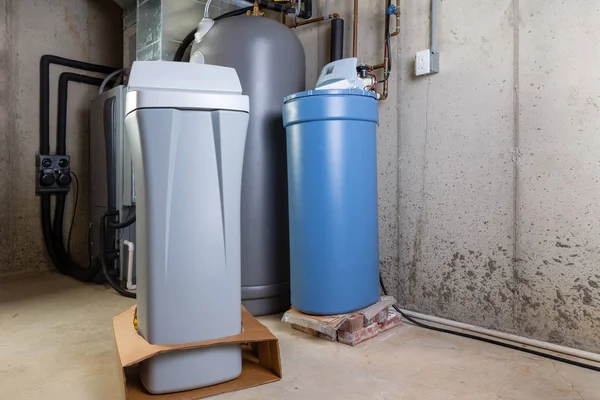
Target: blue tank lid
325	92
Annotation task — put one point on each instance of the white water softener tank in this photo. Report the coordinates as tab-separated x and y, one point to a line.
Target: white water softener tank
186	124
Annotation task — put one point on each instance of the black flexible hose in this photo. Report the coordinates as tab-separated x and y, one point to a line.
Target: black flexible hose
73	269
55	258
59	258
120	225
45	63
103	258
487	340
307	12
63	99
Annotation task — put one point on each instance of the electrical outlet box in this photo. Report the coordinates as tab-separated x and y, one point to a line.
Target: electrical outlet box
427	62
53	174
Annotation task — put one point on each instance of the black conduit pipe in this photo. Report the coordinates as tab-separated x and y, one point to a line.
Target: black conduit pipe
60	260
76	271
45	63
337	39
307	12
123	224
104	257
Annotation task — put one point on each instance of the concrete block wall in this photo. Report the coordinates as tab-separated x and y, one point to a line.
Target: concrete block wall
87	30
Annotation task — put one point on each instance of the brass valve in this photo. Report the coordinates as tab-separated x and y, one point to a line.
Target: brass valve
256	10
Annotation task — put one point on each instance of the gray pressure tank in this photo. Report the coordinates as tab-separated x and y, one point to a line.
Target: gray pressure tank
269	60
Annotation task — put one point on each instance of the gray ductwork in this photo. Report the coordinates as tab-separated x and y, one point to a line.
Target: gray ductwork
126	4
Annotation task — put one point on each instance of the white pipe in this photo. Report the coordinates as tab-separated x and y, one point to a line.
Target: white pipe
108	78
433	25
507	336
131	247
207	9
326	12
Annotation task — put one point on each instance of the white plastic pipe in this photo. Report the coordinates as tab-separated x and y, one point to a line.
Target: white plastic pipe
586	355
434	25
207	9
130	254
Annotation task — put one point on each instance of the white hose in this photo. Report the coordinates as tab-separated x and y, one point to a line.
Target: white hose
586	355
107	79
207	9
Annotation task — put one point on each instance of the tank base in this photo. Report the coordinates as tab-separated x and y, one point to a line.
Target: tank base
191	369
267	306
334	311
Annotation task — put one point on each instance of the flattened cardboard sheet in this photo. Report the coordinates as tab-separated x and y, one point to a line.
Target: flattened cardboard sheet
260	358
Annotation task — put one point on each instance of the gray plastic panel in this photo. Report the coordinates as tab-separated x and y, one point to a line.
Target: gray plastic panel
188	168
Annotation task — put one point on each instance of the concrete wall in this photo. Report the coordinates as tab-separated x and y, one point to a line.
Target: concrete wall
488	171
79	29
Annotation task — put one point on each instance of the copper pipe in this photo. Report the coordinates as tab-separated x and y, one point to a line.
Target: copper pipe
397	31
355	31
386	74
386	60
385	65
310	21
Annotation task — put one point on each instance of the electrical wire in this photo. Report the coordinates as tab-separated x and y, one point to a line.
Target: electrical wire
487	340
74	213
376	84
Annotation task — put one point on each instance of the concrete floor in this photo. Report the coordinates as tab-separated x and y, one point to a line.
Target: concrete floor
56	343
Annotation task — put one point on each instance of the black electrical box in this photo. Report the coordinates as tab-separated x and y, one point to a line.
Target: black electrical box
53	174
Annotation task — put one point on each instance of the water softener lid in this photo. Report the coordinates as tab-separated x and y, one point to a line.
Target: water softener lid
164	84
330	92
329	105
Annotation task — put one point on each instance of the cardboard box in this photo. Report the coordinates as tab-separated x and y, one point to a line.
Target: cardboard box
260	358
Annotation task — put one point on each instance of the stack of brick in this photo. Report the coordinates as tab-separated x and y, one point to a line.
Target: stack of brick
350	329
358	328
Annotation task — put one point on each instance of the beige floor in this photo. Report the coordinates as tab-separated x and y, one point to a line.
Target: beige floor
56	343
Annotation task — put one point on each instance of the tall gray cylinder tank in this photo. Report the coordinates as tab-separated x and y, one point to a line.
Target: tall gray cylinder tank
269	60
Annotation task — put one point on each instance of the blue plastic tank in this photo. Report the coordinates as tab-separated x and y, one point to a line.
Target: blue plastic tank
332	185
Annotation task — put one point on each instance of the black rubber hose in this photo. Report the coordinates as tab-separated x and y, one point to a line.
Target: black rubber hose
307	12
45	204
124	224
45	63
487	340
73	269
63	98
187	41
104	262
48	236
337	39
